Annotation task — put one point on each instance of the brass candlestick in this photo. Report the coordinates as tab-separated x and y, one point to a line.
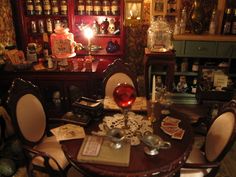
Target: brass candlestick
152	117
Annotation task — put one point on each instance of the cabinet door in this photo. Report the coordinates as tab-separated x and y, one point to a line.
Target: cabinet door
54	97
179	48
226	49
200	49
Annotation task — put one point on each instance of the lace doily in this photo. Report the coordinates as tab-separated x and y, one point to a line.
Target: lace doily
136	122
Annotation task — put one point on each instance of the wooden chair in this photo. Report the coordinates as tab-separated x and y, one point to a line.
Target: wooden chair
43	152
117	72
218	141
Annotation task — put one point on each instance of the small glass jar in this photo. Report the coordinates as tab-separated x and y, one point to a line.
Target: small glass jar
62	43
184	65
195	66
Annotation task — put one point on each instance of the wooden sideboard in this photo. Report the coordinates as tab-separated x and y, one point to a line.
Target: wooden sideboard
58	88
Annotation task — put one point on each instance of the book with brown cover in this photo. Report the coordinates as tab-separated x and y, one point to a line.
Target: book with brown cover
107	155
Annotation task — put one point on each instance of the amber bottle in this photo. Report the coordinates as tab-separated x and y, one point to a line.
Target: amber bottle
197	17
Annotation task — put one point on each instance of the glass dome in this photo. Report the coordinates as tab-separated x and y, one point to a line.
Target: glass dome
159	35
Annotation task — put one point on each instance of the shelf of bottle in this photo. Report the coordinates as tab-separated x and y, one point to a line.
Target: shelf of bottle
178	73
99	53
95	16
45	16
204	37
100	36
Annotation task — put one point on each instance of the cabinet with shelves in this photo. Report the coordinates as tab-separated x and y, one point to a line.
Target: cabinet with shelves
28	26
208	51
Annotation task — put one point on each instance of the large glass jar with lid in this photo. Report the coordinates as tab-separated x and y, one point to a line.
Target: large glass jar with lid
159	35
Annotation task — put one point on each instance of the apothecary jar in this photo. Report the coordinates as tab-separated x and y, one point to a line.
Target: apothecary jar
159	35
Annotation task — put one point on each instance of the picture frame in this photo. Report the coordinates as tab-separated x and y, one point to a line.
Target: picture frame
133	11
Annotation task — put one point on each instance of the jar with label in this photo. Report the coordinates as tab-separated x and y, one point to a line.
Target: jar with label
97	7
38	7
30	7
41	26
63	7
115	7
80	7
31	53
49	25
194	86
55	7
89	7
184	65
46	7
33	26
195	66
106	8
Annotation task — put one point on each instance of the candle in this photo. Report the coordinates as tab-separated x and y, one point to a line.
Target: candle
153	87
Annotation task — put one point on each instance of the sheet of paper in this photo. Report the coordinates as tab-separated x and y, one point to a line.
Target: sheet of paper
68	131
140	104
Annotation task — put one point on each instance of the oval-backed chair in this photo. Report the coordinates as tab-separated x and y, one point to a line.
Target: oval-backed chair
26	108
118	72
219	139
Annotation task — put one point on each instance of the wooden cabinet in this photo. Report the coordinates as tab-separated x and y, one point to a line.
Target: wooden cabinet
59	89
75	22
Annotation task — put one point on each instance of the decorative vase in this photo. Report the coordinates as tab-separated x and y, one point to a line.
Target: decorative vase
197	17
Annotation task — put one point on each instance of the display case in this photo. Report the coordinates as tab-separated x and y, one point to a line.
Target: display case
106	22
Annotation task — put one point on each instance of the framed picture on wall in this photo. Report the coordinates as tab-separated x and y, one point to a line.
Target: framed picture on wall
133	9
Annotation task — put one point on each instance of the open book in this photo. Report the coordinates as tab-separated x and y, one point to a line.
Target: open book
68	131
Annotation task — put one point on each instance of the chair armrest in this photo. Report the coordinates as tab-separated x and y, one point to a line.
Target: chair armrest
201	165
33	153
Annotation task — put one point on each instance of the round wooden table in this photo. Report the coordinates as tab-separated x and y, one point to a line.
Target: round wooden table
166	163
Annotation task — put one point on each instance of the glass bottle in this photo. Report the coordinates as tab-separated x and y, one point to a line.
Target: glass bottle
55	8
95	27
115	7
196	17
227	22
30	7
80	7
33	26
184	65
194	86
38	7
49	25
89	7
41	26
106	8
212	27
176	27
63	7
46	7
97	7
233	28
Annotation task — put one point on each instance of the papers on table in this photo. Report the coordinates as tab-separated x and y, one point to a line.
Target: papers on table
140	104
68	132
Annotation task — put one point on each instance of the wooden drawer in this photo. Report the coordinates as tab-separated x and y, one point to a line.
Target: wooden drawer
226	49
179	48
200	49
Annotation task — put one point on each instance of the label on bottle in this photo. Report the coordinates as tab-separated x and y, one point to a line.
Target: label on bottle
30	7
55	10
234	28
227	28
80	8
49	25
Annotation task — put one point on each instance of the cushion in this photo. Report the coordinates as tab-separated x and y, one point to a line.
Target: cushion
31	117
196	156
51	146
114	80
218	135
